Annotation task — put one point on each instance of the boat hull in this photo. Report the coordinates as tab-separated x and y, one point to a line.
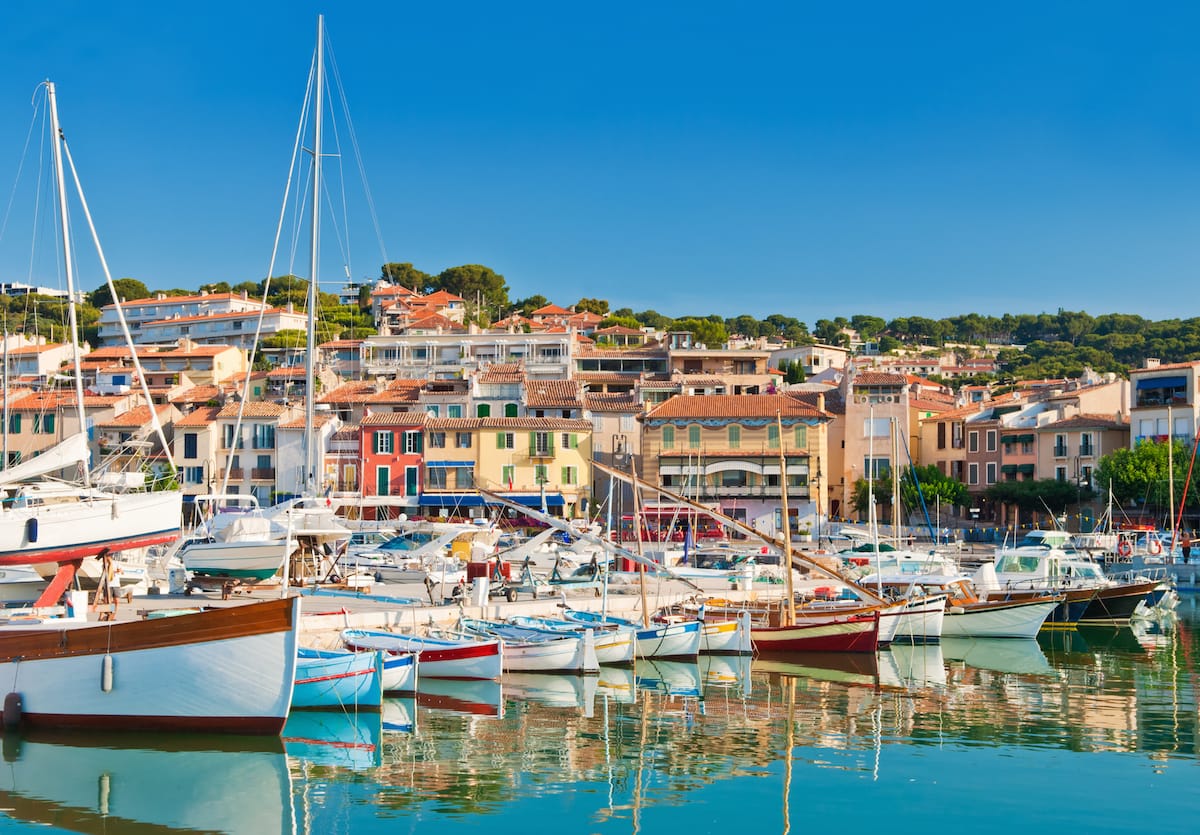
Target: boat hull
854	634
243	560
998	619
436	658
120	522
921	620
568	654
399	672
227	670
345	680
1114	606
728	637
669	640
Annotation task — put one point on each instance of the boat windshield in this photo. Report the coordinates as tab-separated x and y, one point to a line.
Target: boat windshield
408	541
1016	564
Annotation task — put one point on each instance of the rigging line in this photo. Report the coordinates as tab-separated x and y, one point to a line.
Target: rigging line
358	158
24	154
912	468
137	365
267	281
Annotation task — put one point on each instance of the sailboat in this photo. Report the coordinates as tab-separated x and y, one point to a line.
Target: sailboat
224	670
48	520
317	531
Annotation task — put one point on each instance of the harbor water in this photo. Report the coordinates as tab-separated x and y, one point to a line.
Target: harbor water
1093	731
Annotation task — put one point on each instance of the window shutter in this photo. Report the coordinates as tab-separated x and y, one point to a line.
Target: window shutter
420	443
532	443
499	440
574	441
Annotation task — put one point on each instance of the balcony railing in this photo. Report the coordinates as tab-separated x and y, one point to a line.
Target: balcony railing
1060	451
237	473
262	473
1087	450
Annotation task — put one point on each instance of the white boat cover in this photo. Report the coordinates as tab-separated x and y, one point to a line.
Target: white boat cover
65	453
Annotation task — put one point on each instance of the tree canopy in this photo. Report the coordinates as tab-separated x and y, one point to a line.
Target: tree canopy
128	289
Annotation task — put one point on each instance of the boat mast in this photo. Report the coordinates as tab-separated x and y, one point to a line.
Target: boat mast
310	446
4	462
73	318
1171	469
790	611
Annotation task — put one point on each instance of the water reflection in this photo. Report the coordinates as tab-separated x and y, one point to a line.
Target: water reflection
669	744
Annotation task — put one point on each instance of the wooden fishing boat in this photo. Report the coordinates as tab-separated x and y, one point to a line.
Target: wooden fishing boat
538	650
338	679
223	670
613	644
855	633
456	658
658	640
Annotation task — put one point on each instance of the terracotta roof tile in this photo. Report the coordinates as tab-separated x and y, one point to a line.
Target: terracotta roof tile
733	406
298	423
254	408
612	402
138	416
1087	421
394	419
878	378
200	416
554	394
197	394
517	423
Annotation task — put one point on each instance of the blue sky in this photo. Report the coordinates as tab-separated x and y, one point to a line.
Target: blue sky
810	159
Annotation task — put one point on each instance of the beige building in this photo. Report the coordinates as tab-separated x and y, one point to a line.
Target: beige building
524	458
724	450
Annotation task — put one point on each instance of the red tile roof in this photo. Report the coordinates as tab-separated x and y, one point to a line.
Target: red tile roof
552	394
394	419
733	406
138	416
254	408
200	416
517	423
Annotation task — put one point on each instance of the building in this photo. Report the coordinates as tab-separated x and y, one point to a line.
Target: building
391	447
161	307
534	461
1164	402
726	449
545	356
251	462
232	328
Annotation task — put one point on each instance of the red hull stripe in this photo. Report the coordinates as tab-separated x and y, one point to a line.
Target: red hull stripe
272	725
335	677
458	653
86	549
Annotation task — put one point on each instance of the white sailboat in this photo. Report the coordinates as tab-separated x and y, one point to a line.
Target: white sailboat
47	520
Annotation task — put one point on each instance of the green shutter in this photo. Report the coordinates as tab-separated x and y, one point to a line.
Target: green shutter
574	441
532	443
420	443
49	424
499	440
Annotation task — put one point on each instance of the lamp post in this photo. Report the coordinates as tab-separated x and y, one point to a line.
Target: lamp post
816	482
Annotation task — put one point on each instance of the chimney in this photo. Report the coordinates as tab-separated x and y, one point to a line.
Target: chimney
1153	362
820	401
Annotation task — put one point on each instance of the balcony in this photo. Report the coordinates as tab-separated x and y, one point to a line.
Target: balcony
262	474
237	473
1060	451
1087	451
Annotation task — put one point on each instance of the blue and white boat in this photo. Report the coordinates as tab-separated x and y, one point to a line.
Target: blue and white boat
658	640
337	678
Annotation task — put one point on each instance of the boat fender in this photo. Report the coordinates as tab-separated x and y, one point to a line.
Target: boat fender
1124	548
1155	546
106	673
31	529
12	710
11	746
955	610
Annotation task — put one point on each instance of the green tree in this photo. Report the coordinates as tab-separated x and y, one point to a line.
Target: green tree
215	287
406	275
868	327
712	334
1142	474
128	289
597	306
620	321
534	302
1038	496
474	282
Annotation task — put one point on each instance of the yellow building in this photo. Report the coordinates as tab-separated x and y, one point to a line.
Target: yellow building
534	461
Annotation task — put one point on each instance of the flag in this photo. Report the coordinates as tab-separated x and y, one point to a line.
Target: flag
328	492
510	482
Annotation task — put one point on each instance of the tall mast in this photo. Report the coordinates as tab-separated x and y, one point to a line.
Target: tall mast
310	446
790	609
61	181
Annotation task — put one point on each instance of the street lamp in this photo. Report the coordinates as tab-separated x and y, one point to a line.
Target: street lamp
816	482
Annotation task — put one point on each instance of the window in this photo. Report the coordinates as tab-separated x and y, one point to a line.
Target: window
1086	447
464	477
541	474
1060	473
383	480
1060	446
14	458
505	440
483	410
433	409
735	436
972	473
437	440
991	440
1026	447
972	442
694	436
454	411
878	467
772	436
37	424
507	474
383	443
541	443
941	436
875	427
510	409
48	424
263	462
413	443
14	424
800	434
264	436
190	444
435	478
991	472
668	437
462	440
193	475
570	440
227	437
733	478
569	475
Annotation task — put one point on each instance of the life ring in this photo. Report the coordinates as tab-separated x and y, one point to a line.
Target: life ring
1124	549
1155	546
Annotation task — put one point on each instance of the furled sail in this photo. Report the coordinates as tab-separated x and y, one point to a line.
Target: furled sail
66	453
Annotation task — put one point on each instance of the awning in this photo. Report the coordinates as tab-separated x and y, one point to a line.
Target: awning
475	500
449	463
1025	469
1008	468
1162	382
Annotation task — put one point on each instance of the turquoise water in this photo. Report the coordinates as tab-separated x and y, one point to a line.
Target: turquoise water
1094	731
